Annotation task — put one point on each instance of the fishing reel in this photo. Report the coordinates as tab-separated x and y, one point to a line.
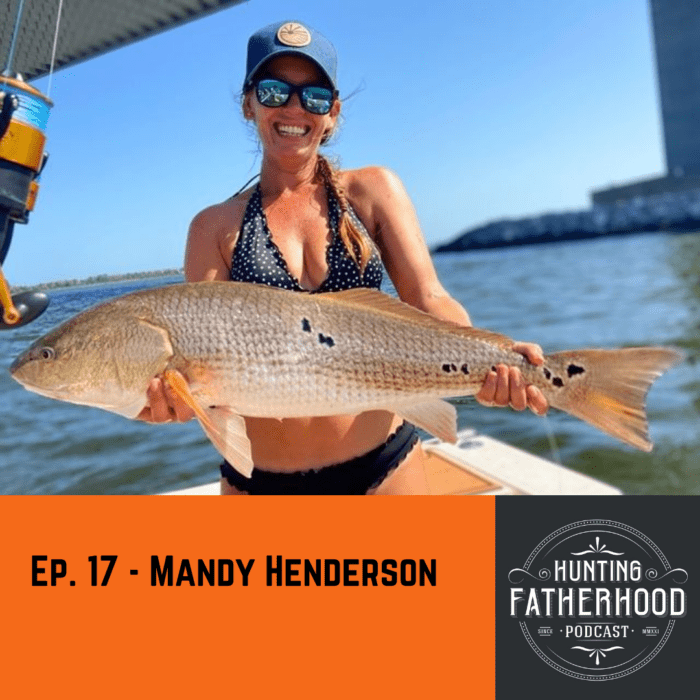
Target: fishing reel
24	112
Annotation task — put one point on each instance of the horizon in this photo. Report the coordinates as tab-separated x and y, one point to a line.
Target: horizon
486	110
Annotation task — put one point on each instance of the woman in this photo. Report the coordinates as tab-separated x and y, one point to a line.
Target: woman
307	227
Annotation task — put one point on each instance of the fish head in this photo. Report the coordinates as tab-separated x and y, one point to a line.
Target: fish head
103	358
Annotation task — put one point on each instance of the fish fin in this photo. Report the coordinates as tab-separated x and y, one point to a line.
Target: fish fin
362	297
437	417
610	386
230	438
157	350
222	425
180	387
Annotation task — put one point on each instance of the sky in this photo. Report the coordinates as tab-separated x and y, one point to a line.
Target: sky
486	109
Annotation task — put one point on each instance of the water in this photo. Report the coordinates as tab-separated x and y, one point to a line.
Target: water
603	293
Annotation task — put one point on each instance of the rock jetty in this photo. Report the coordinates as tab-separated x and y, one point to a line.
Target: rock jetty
673	212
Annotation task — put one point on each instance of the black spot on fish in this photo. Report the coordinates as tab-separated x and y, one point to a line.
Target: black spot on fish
464	368
493	368
547	373
557	381
326	340
305	325
447	368
574	369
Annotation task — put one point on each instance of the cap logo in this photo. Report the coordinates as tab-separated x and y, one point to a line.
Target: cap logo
294	34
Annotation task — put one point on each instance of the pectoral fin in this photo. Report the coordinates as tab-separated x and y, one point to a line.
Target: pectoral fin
222	425
230	438
180	387
437	417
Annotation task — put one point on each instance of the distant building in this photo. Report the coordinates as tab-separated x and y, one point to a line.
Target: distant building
676	27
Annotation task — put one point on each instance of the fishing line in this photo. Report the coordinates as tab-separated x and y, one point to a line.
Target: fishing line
554	450
55	44
556	457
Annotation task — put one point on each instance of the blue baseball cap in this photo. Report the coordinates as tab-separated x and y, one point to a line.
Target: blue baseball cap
290	38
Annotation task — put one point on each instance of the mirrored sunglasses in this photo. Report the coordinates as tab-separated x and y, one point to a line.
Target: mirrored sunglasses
275	93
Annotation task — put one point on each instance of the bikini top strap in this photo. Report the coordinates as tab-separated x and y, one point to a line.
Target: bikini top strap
235	194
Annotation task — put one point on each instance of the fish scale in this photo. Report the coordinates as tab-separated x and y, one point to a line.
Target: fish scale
371	362
232	349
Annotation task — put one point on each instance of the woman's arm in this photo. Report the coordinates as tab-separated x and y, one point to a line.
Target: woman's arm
208	240
204	261
379	197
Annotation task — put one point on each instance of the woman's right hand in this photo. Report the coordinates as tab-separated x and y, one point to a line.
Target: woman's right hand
164	406
209	244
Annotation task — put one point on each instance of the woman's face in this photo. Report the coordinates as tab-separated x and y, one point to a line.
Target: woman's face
290	128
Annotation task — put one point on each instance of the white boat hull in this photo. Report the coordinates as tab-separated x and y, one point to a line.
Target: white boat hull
480	465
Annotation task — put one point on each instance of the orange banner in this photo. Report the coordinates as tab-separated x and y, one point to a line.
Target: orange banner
301	596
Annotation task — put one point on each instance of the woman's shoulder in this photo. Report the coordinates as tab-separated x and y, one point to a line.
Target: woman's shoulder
212	237
369	181
221	215
377	195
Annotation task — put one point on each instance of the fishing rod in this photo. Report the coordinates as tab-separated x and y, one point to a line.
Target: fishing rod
24	112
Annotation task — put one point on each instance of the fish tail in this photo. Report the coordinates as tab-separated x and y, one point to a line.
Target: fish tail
608	388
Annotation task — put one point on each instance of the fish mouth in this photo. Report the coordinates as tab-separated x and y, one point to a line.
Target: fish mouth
17	370
35	389
21	372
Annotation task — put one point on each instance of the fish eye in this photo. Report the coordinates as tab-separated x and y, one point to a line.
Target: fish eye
45	353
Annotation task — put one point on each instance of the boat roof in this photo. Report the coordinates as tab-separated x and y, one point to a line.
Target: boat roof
88	28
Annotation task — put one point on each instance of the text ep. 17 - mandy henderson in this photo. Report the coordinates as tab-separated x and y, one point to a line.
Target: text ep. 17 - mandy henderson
281	571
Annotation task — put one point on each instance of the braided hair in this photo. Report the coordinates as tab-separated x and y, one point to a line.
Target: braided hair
356	244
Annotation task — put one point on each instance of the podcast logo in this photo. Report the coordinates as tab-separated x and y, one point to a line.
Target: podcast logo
597	599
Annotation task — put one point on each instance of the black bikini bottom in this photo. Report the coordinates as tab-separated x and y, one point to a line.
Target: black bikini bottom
354	477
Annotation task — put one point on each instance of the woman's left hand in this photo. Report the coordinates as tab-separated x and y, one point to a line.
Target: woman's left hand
380	198
506	385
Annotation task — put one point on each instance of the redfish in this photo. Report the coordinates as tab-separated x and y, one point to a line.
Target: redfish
233	349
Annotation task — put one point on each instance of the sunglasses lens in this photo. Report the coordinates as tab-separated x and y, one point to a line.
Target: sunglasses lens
275	93
272	93
317	100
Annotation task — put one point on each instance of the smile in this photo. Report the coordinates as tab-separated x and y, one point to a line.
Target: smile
288	130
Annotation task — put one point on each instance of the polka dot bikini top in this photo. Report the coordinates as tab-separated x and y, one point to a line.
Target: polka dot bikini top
257	259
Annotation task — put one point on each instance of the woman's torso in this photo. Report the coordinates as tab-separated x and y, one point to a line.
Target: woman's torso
318	257
293	242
